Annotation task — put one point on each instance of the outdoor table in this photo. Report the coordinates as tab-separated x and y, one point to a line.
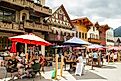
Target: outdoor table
69	62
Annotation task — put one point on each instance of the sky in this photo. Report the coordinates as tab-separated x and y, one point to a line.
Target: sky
103	11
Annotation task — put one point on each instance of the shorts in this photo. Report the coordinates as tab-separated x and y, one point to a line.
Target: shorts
95	59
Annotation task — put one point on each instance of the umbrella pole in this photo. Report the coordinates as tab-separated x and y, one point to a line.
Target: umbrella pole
108	58
56	63
26	52
92	60
61	72
113	57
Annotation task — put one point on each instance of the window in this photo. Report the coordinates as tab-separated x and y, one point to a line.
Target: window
91	35
60	16
6	14
93	28
73	34
1	15
37	1
9	15
79	34
96	36
83	35
34	18
24	16
64	33
57	32
68	34
76	34
4	43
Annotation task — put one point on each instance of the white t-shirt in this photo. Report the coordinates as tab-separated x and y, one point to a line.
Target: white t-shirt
80	59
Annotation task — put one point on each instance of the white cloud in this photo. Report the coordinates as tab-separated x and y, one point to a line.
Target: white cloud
103	11
114	23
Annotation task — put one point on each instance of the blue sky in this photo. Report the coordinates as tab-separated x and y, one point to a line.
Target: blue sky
103	11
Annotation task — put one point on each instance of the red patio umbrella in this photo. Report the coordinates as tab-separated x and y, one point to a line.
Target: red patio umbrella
13	47
30	39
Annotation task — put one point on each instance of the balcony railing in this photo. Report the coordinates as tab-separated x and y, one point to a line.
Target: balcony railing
15	2
36	26
92	40
30	4
61	25
9	26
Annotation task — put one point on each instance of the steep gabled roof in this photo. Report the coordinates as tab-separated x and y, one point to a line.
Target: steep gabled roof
85	21
64	10
106	27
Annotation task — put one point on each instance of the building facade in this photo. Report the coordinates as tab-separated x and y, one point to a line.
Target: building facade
22	16
110	37
61	26
102	33
93	34
82	26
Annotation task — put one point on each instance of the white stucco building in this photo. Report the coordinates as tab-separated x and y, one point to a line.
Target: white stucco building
110	37
93	34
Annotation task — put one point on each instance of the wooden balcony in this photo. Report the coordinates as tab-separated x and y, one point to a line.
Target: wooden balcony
14	2
61	25
36	26
92	40
26	4
9	26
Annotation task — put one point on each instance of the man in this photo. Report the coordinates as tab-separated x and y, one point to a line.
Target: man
95	56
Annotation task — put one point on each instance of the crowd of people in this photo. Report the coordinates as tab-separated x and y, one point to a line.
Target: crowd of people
27	65
21	67
78	60
112	56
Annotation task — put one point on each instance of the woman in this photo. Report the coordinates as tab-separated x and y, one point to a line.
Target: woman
80	65
42	61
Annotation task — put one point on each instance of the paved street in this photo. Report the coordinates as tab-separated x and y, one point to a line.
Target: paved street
109	72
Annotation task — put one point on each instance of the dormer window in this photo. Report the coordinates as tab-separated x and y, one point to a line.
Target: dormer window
24	17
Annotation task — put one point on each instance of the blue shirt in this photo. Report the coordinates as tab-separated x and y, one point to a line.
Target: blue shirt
95	55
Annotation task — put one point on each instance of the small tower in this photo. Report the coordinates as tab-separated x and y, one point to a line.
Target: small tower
42	2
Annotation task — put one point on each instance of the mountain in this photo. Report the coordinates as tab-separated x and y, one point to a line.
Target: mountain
117	32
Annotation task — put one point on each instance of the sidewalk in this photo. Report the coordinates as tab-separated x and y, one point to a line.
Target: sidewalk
98	74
